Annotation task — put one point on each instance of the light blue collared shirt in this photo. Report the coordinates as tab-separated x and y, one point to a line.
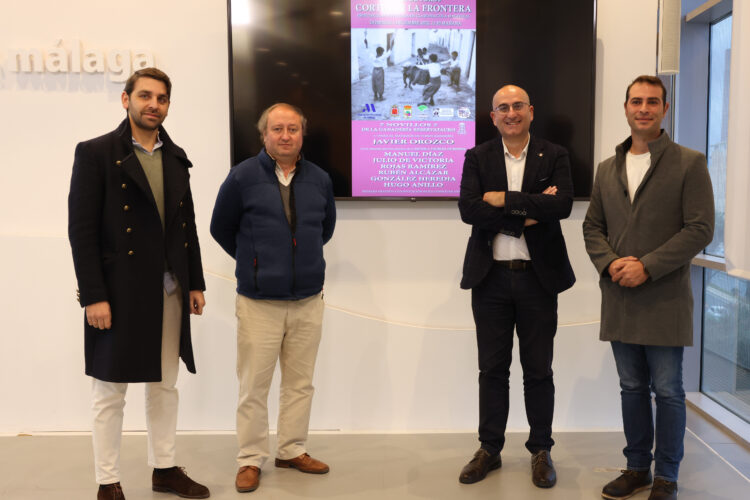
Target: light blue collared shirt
138	145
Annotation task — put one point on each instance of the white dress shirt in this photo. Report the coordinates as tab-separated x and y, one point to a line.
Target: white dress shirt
506	247
284	180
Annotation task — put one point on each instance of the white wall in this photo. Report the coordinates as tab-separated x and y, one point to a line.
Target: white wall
398	351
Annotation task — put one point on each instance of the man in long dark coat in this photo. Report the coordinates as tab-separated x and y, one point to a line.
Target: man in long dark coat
137	260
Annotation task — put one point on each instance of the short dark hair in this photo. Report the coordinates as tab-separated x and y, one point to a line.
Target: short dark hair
379	50
433	57
649	80
154	73
263	120
454	53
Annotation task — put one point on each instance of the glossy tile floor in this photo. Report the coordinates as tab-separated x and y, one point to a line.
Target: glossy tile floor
374	466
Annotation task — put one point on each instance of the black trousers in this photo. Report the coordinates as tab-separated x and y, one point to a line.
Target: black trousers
508	299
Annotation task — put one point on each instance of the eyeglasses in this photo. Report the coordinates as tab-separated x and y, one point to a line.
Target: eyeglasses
504	108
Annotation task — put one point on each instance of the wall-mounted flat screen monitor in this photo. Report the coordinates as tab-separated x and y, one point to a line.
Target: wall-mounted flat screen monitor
395	91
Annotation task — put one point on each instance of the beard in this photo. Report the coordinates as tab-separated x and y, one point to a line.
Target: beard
143	123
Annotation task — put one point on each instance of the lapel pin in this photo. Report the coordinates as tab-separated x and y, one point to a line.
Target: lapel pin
541	154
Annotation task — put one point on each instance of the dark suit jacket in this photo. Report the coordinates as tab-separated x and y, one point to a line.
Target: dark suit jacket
120	250
547	164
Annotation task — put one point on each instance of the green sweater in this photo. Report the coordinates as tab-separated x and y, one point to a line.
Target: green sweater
154	170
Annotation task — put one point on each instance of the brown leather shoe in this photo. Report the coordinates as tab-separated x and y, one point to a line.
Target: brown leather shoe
543	473
110	492
174	480
248	479
303	463
479	466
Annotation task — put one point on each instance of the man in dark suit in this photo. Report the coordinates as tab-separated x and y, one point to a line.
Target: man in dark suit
137	260
514	191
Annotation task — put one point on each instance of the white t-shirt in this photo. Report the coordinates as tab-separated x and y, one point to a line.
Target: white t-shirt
636	167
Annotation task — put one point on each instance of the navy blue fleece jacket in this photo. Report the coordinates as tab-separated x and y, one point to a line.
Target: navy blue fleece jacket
276	259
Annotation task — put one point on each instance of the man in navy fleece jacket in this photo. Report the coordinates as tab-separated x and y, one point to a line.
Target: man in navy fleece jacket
273	214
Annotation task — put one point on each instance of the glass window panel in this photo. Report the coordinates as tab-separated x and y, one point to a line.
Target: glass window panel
718	112
668	123
725	370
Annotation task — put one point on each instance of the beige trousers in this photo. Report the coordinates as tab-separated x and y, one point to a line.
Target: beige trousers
161	405
269	330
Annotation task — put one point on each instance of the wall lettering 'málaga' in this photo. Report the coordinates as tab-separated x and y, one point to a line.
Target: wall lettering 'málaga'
119	64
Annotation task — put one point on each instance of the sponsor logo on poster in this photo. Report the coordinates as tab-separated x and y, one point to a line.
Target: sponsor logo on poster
369	113
407	111
394	110
464	112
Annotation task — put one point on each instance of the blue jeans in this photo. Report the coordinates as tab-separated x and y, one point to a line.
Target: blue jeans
642	369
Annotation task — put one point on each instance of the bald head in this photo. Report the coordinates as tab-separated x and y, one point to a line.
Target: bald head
510	91
512	113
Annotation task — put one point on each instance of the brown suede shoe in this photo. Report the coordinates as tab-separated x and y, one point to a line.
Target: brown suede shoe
248	479
303	463
110	492
174	480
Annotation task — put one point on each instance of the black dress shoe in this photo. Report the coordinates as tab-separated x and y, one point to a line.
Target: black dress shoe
627	485
663	490
174	480
479	466
110	492
543	473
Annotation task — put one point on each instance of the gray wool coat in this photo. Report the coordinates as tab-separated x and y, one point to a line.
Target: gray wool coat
670	220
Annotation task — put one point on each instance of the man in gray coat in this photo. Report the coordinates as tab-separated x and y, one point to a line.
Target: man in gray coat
651	212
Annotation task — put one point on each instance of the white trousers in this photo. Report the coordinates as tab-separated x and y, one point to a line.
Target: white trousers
161	405
269	330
